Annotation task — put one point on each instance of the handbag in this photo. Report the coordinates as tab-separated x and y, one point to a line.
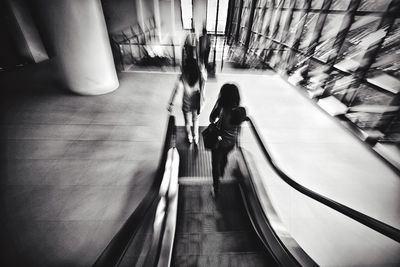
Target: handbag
210	136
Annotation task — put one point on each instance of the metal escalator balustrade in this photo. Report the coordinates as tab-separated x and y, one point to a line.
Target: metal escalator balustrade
209	232
294	224
136	239
165	217
368	221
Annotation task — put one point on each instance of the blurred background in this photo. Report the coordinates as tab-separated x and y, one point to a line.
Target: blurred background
85	86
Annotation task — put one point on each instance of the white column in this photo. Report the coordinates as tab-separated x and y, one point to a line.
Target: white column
78	36
157	18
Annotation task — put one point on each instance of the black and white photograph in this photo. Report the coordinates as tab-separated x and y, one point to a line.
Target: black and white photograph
210	133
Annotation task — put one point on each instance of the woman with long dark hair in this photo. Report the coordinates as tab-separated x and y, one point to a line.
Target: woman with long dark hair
228	115
193	94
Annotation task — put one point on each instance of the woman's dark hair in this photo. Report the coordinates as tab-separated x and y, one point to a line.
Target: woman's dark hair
229	96
191	71
238	115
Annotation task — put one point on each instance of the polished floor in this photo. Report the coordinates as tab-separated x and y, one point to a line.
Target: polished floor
76	167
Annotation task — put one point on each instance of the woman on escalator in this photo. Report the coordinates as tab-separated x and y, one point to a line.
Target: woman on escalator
191	83
227	115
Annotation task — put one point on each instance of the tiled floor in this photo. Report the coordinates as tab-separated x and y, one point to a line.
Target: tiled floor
78	166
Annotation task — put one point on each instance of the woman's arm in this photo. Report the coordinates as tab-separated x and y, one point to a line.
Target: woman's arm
174	92
215	112
203	91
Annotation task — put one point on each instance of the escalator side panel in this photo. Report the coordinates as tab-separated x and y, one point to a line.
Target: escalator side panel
267	223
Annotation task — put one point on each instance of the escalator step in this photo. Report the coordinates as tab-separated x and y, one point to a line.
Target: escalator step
195	199
211	231
195	160
196	222
216	243
225	259
199	212
198	198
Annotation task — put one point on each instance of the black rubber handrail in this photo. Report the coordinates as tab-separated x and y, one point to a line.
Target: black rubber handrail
115	250
381	227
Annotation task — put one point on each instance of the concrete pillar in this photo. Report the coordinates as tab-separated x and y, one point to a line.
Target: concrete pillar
77	33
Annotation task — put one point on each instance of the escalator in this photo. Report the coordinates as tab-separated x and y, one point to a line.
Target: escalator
212	232
179	223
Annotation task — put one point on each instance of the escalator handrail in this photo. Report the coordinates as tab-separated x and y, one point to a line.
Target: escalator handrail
116	249
166	239
368	221
160	253
164	224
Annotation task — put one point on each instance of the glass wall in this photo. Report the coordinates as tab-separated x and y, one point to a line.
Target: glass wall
187	14
346	49
212	14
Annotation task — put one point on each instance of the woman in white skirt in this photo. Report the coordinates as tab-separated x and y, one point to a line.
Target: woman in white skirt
191	83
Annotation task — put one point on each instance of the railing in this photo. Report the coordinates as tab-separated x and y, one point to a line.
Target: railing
368	221
117	248
164	226
147	54
160	253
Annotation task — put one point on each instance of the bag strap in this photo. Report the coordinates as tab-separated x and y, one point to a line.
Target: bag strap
216	111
